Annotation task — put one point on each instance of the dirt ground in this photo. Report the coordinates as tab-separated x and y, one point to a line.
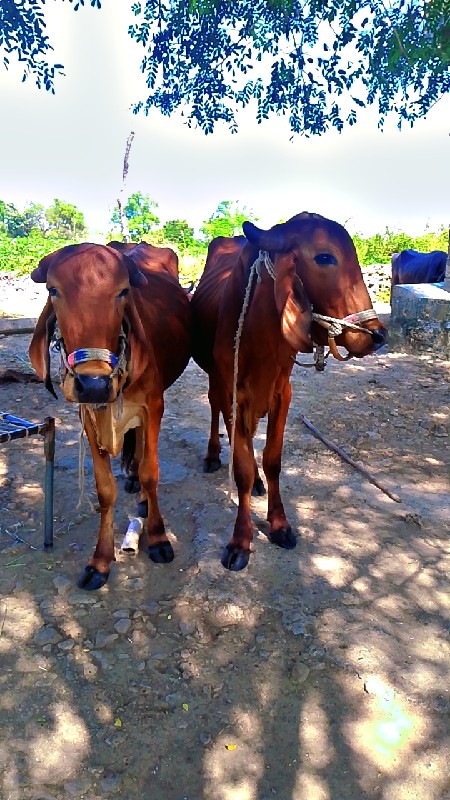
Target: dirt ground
320	673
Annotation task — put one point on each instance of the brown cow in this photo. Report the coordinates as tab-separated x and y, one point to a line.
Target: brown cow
158	259
123	329
308	268
161	259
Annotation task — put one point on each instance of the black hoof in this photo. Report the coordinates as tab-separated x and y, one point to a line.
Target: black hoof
285	538
132	484
91	579
258	489
142	509
211	464
161	553
234	558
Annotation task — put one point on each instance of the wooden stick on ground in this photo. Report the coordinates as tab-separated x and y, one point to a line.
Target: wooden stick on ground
347	458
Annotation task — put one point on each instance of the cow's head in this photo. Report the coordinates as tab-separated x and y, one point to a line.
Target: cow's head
321	253
90	301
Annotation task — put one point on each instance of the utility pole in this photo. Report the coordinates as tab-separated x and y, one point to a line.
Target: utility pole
122	216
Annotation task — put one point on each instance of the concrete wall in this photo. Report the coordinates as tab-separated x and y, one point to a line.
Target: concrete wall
420	320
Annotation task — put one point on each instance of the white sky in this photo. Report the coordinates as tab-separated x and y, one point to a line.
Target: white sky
71	146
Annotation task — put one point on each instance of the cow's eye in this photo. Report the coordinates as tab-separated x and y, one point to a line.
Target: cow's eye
53	292
325	258
123	293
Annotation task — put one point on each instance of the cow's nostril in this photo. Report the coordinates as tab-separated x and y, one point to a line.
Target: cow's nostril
92	388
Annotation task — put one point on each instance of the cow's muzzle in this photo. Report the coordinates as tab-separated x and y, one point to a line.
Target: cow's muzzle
84	387
93	388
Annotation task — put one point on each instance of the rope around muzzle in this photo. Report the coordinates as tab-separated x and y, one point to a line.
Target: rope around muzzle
69	362
333	325
84	354
336	326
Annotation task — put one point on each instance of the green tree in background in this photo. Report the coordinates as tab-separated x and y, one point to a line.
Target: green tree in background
65	220
11	220
315	61
28	236
140	215
379	248
34	216
179	233
226	220
16	223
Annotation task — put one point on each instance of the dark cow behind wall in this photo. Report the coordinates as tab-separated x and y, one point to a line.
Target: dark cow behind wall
307	267
410	266
123	327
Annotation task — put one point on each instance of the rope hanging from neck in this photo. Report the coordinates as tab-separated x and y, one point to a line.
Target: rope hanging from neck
254	270
81	463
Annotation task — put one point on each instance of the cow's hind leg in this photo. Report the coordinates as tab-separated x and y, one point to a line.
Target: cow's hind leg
212	462
96	573
281	533
159	548
132	484
131	456
258	488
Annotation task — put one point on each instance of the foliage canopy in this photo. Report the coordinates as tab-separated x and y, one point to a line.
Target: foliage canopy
140	216
318	62
226	220
61	220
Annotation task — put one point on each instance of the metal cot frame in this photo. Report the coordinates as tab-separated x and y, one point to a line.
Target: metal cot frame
11	428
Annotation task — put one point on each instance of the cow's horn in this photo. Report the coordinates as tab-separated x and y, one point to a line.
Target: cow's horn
265	240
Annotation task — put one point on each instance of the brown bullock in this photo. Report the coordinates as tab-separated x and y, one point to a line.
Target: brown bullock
123	328
158	259
307	267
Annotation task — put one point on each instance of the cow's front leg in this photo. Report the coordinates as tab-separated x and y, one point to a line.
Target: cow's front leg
159	548
237	552
96	573
280	530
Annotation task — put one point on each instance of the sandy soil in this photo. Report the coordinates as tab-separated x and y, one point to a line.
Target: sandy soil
316	674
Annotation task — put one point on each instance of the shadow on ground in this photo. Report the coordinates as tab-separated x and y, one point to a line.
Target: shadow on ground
316	674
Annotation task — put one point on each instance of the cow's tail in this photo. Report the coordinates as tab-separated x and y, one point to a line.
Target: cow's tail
128	449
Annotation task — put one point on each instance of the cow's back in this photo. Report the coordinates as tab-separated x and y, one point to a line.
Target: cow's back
145	255
411	266
166	317
223	253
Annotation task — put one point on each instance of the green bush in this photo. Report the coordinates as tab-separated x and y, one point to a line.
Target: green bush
22	255
378	249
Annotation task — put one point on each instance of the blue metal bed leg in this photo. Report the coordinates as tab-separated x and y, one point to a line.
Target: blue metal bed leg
49	449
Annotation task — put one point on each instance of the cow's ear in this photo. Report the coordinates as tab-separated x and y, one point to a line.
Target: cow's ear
39	350
39	275
139	346
292	304
136	277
